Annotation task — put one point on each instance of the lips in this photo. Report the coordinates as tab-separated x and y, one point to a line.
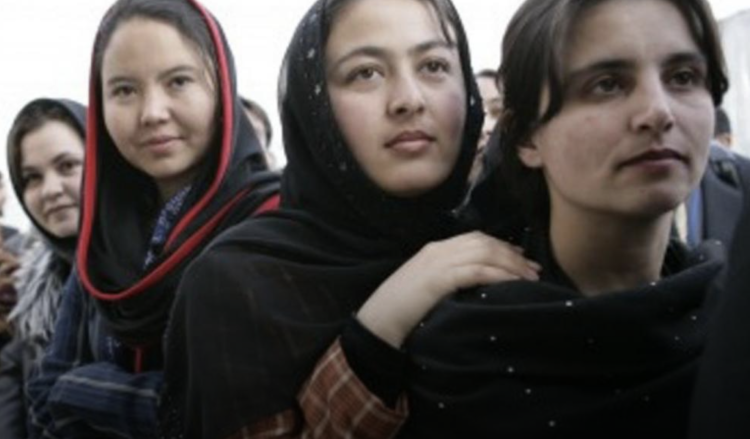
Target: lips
56	209
409	137
157	141
655	155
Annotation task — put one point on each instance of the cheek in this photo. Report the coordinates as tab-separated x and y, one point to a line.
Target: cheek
73	187
450	108
115	121
33	202
355	117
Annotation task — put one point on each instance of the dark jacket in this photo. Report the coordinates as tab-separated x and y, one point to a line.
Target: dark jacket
714	208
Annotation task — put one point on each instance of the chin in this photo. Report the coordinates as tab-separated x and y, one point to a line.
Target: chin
64	230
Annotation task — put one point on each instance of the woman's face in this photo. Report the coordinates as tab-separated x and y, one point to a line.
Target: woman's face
51	165
159	101
397	91
632	137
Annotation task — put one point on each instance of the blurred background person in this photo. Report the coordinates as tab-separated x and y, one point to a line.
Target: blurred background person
262	127
492	102
723	129
45	157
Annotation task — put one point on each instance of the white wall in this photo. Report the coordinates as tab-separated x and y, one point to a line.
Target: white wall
45	48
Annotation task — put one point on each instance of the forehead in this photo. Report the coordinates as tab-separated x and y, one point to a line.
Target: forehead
629	29
384	23
142	43
50	139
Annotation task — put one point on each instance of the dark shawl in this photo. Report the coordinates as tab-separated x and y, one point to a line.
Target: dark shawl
538	359
261	305
120	206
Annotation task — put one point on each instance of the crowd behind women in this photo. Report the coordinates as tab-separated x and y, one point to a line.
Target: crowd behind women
543	250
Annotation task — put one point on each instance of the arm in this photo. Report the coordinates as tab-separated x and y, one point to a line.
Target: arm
334	403
357	387
68	348
74	395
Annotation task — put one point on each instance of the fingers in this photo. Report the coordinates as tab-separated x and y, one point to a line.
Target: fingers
476	249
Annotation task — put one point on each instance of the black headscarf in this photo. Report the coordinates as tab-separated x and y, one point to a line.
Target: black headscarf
260	306
63	247
120	206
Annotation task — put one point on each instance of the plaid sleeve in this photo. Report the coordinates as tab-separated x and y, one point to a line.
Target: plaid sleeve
334	404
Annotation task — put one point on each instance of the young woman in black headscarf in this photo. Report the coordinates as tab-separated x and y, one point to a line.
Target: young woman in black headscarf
607	124
381	117
170	163
45	159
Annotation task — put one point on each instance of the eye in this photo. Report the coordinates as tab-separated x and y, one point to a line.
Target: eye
607	85
122	91
180	81
436	66
686	78
30	180
366	73
68	167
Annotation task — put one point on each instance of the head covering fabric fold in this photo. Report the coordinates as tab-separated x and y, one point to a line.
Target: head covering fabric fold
261	305
119	207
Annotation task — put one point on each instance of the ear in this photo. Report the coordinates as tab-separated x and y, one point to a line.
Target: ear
529	155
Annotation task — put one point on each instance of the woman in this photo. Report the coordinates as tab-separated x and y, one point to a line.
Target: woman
608	119
45	158
171	162
381	117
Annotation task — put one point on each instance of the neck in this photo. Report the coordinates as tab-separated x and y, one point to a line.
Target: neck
603	255
167	190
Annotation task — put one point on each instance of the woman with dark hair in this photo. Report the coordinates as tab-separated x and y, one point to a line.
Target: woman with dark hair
607	123
170	163
381	118
45	158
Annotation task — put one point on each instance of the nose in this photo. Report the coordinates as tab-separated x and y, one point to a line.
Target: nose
406	96
52	186
654	113
154	107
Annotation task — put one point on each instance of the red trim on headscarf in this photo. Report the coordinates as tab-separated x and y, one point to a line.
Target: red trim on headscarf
226	143
173	260
89	181
268	205
138	360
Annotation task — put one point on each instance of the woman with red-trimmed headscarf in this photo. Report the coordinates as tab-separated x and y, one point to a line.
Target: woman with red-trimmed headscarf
171	162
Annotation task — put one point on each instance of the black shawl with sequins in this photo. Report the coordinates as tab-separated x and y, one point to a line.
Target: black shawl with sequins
258	309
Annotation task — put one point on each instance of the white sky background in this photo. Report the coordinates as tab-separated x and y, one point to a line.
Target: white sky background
46	47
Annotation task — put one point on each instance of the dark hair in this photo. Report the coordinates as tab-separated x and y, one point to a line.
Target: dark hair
722	126
31	118
178	13
445	11
253	107
487	73
533	49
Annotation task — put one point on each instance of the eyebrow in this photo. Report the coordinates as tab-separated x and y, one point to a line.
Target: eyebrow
624	64
174	70
378	52
55	160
